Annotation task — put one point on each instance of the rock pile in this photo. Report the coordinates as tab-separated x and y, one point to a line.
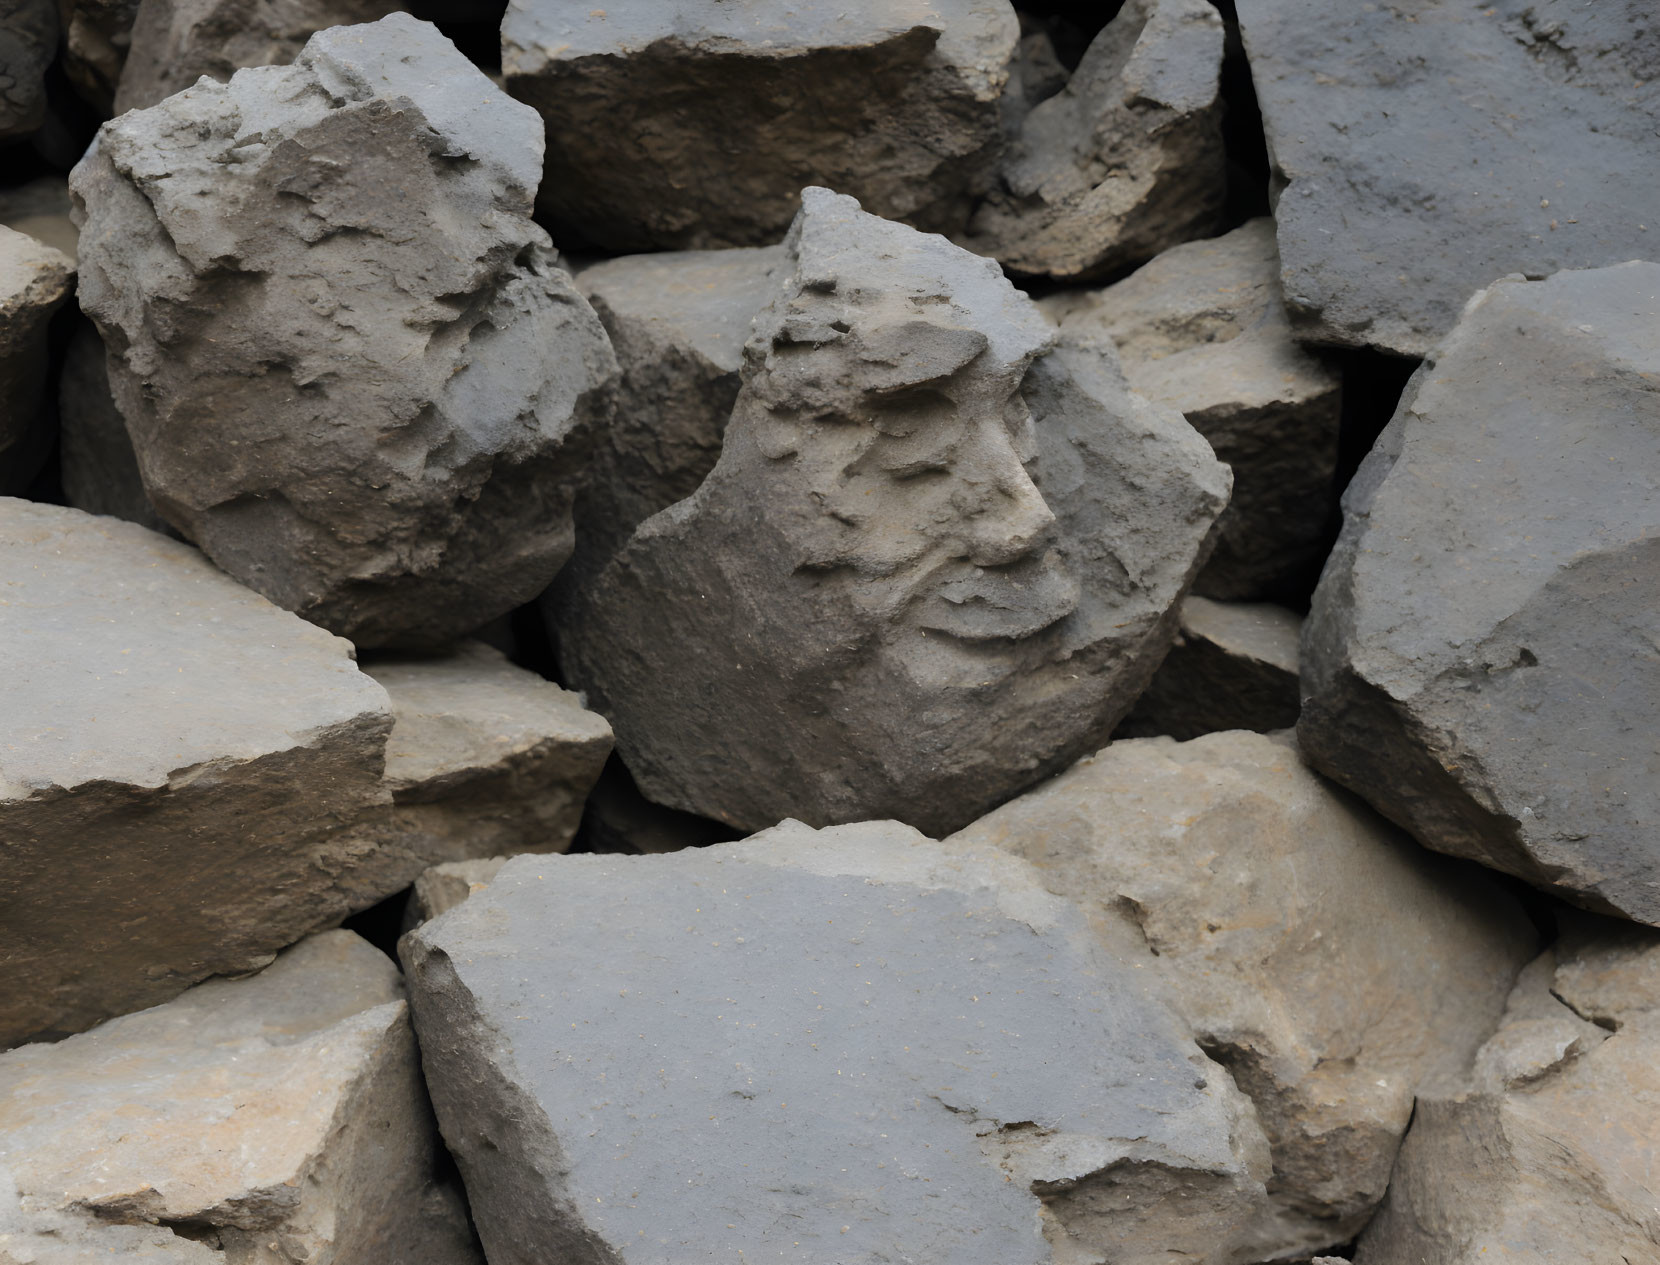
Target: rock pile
745	633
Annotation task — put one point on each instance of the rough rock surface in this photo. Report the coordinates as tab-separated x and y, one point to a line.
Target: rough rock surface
1330	964
1203	328
277	1118
174	755
175	42
34	282
485	758
28	42
916	1054
328	270
445	886
1454	144
97	35
99	471
686	124
1480	661
41	209
920	577
1232	666
1548	1154
1123	162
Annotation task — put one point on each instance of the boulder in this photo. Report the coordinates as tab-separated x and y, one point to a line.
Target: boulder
1203	328
34	282
849	1045
1547	1153
931	566
173	43
97	35
1331	965
1420	152
1123	162
1497	587
275	1118
688	124
95	455
177	757
41	209
1232	666
351	369
28	41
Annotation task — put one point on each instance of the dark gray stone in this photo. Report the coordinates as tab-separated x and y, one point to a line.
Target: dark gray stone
852	1045
1422	151
96	461
34	282
28	42
931	566
1480	661
97	35
352	371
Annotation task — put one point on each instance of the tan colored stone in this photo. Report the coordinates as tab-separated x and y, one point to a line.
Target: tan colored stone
34	282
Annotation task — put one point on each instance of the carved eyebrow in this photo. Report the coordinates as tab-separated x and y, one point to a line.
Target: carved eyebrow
910	354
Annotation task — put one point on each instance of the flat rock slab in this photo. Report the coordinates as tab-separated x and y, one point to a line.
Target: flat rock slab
847	1045
276	1118
1424	151
34	281
175	754
1496	588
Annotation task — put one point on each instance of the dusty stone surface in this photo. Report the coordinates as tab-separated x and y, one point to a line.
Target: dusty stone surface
276	1118
915	1052
1232	666
99	471
28	40
920	577
1497	586
1204	329
34	282
445	886
485	758
1455	144
97	35
399	385
40	209
1331	965
645	101
1123	162
1546	1154
173	43
175	755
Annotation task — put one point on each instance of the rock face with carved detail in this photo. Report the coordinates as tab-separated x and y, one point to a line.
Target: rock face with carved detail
932	565
34	282
850	1044
1331	965
276	1118
352	371
1545	1155
686	124
1123	162
1480	661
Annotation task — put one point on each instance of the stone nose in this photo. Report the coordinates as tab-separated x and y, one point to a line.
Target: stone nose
1004	515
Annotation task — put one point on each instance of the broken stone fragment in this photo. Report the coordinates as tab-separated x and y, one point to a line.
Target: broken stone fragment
34	282
1123	162
1419	155
1546	1153
850	1045
329	271
1497	586
1331	965
931	566
485	758
279	1117
96	462
1203	328
687	124
177	757
445	886
1232	666
173	43
28	41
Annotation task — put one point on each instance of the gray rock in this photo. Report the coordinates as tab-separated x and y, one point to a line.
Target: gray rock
1480	659
175	42
276	1118
99	471
485	758
34	282
1122	163
28	41
688	124
850	1045
920	577
1035	74
331	267
1203	328
1331	965
1420	153
445	886
176	757
1232	666
97	35
1546	1154
41	208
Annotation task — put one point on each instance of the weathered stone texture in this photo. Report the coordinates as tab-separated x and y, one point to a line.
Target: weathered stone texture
28	41
95	454
97	35
34	282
